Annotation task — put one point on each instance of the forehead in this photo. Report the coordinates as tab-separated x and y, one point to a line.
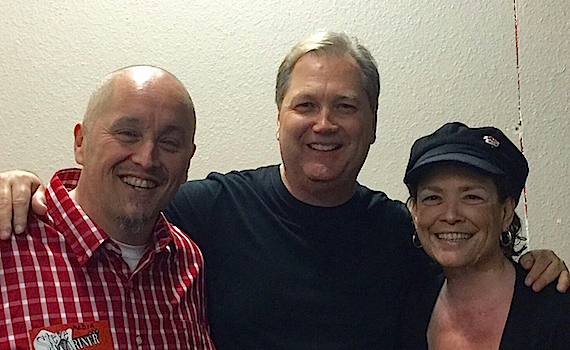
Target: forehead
156	102
317	71
454	175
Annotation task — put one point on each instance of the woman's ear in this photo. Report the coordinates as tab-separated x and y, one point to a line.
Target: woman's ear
413	207
508	213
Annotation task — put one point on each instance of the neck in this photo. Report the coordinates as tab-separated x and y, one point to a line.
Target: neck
320	194
471	285
133	232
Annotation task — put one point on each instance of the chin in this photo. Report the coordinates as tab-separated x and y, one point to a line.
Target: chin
322	173
451	261
135	223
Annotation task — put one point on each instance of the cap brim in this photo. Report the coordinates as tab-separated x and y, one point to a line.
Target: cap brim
463	158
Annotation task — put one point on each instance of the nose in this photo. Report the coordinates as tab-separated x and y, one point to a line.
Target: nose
452	212
145	154
325	122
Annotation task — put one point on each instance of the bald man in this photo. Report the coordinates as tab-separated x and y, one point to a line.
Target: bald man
103	268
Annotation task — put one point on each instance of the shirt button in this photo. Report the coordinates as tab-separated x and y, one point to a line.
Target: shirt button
109	246
139	341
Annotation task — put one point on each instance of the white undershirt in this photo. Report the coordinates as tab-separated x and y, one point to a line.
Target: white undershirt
132	254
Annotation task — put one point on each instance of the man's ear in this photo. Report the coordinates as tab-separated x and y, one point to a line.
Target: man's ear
78	146
374	123
508	213
373	137
193	151
374	128
278	125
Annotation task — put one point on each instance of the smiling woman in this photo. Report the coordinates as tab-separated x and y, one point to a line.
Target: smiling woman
460	217
464	185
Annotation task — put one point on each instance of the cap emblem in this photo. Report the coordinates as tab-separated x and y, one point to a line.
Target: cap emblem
490	140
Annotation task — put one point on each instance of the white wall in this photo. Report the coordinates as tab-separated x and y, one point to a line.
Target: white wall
439	60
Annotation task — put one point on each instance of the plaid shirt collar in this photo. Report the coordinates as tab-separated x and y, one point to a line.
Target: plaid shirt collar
80	232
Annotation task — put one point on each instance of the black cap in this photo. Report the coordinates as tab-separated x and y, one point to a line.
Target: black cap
486	149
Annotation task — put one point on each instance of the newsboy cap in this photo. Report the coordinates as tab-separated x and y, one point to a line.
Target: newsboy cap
486	149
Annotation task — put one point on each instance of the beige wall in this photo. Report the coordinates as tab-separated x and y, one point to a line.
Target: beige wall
439	60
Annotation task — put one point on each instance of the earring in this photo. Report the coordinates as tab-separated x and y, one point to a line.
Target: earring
416	240
506	239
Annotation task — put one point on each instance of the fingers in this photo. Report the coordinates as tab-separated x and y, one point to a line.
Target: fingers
39	203
21	193
546	269
5	208
527	260
16	187
563	280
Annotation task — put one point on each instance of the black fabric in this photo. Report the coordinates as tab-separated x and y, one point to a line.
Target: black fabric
282	274
486	148
535	321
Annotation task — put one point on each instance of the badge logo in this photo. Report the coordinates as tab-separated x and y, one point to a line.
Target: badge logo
94	335
490	140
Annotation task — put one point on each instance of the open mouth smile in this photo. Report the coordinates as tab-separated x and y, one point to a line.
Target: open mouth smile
137	182
323	147
454	237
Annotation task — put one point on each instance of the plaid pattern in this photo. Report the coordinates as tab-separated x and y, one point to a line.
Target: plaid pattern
66	270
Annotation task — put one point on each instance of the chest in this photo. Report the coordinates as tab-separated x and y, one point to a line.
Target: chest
98	304
324	284
470	329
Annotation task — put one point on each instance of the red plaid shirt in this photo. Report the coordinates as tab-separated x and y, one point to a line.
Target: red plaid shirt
66	274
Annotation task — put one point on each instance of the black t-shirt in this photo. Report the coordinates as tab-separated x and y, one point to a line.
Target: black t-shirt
282	274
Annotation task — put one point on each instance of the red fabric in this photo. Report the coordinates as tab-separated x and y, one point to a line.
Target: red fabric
66	270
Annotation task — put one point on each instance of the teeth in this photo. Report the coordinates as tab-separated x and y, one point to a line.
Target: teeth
138	182
321	147
454	236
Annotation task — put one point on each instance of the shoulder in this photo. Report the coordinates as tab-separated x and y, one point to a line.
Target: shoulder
40	232
205	192
379	205
548	295
183	243
537	320
34	248
252	177
215	181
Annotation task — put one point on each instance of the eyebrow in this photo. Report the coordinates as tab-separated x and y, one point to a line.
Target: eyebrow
127	120
461	188
348	96
136	122
171	129
310	95
303	96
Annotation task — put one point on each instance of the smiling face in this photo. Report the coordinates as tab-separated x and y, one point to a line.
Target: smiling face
459	217
325	126
135	154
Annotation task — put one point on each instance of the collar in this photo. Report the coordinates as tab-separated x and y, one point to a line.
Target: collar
80	232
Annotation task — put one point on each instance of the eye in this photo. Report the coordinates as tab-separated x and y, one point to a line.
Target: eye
127	135
430	199
473	198
346	108
170	144
305	107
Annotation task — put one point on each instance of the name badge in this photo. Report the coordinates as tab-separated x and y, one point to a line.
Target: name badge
95	335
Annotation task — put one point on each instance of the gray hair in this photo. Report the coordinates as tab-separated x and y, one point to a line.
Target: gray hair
337	44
